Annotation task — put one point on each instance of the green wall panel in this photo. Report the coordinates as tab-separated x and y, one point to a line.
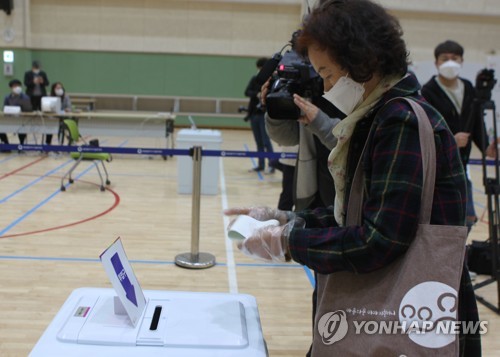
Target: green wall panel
132	73
139	73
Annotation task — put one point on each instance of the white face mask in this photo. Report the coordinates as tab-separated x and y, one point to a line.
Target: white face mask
36	71
17	90
59	92
346	94
450	69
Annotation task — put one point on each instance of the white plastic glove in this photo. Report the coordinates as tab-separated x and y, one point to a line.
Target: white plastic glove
271	243
262	213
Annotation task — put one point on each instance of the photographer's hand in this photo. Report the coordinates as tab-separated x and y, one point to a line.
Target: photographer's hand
310	110
491	150
263	91
462	139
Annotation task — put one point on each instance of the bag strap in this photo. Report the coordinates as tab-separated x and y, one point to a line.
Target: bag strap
428	152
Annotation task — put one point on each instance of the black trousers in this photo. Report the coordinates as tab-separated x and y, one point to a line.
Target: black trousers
285	202
3	138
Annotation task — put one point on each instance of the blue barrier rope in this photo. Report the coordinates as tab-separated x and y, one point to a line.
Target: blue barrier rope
168	152
146	151
480	162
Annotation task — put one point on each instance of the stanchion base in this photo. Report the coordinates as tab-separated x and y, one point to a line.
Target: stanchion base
195	261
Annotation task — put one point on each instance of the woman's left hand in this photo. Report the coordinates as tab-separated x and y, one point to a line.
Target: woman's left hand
268	244
309	110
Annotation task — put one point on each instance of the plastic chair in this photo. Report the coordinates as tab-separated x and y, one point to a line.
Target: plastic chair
74	137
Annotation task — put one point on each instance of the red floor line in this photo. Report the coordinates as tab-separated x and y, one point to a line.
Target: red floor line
115	204
22	168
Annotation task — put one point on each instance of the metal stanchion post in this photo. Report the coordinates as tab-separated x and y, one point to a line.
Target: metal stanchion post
195	259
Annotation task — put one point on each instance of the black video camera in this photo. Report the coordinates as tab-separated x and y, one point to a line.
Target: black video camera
485	82
294	74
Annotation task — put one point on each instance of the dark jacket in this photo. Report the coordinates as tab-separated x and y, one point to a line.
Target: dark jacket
251	91
29	76
469	121
21	100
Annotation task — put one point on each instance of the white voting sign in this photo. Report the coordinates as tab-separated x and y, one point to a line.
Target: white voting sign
123	279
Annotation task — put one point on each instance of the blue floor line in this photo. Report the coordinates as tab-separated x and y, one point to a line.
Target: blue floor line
40	204
254	164
6	198
310	275
138	261
13	156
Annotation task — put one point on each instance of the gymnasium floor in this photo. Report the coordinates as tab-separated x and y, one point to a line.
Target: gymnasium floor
50	241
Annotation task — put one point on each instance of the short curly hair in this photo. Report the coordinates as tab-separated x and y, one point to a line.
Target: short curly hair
359	35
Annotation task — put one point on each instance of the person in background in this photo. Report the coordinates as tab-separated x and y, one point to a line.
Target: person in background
453	97
57	90
257	123
356	46
17	98
287	167
36	82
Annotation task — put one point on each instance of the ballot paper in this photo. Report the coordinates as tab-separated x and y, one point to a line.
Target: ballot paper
244	226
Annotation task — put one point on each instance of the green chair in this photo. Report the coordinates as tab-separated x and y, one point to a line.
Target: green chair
74	136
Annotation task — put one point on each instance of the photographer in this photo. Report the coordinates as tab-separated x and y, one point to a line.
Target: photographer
356	46
454	98
297	114
256	116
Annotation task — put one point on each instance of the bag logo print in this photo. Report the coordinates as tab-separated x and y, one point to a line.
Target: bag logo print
333	327
427	315
431	305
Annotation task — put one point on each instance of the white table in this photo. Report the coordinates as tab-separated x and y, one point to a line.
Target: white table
29	123
191	328
95	123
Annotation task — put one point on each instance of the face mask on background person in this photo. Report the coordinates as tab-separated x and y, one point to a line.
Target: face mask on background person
450	69
59	92
17	90
346	94
36	71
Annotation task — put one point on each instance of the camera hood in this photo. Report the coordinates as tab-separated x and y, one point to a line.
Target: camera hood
280	105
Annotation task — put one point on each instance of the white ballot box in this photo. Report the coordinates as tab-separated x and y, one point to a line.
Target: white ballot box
209	140
179	324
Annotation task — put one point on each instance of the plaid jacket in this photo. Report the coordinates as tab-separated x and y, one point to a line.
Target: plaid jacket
393	183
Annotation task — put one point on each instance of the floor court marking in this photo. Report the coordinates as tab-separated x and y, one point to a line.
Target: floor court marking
6	198
254	164
231	271
43	202
22	168
113	206
229	244
139	261
13	156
